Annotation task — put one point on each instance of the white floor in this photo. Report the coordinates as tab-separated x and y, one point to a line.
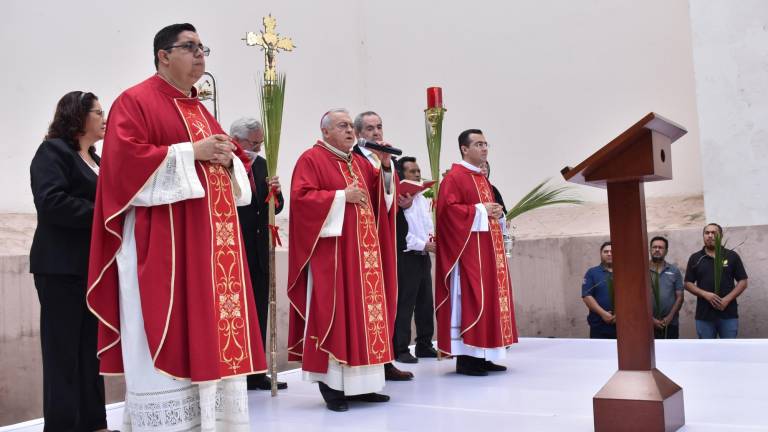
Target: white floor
549	387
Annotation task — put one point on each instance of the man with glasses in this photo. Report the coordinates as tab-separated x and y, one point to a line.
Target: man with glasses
254	220
342	280
167	265
473	292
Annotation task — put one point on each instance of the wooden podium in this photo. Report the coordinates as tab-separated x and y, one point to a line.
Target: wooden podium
638	397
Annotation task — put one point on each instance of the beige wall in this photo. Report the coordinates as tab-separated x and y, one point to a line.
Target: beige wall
549	81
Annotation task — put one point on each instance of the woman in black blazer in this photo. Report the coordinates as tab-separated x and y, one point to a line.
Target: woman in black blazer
64	173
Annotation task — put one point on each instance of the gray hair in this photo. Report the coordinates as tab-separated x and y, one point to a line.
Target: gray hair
243	126
325	122
359	120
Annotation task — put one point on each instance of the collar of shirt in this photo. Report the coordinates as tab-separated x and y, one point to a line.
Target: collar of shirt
664	268
336	151
371	156
469	166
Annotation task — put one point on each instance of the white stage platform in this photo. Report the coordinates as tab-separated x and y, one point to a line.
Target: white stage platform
549	387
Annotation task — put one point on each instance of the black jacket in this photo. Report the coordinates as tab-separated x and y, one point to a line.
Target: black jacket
254	219
64	189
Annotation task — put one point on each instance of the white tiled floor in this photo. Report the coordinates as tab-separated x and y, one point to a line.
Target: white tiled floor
549	387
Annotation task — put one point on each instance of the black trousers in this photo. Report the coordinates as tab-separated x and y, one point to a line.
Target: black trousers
73	390
414	299
672	332
602	331
260	285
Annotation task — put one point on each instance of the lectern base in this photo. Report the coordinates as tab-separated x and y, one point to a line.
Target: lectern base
641	401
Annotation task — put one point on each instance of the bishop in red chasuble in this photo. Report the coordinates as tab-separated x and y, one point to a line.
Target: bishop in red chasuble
342	282
168	278
473	292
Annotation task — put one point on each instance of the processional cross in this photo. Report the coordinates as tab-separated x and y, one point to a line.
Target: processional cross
271	43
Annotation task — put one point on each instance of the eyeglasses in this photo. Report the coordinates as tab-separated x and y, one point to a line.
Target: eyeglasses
191	47
344	126
251	142
99	113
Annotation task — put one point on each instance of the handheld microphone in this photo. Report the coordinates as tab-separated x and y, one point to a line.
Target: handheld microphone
362	142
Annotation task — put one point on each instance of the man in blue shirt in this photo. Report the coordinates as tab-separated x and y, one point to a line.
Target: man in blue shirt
667	279
597	293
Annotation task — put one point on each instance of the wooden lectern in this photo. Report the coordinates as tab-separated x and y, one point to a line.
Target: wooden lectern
638	397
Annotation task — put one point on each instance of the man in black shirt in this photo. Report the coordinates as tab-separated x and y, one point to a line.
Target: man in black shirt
716	313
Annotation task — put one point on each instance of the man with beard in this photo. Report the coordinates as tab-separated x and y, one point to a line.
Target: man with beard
669	281
717	313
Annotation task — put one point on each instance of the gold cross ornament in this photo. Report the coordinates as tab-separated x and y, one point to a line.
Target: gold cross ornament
270	42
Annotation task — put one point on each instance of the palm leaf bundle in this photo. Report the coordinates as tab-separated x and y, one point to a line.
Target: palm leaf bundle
720	261
434	128
272	98
656	294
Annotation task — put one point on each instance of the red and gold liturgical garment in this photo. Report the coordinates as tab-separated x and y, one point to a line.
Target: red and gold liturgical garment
354	282
487	308
199	314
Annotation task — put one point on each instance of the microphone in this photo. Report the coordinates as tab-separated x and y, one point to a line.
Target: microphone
362	142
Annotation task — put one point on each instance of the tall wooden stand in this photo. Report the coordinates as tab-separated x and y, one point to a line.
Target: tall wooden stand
638	397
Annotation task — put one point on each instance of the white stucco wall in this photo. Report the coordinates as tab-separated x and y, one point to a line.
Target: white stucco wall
730	47
548	81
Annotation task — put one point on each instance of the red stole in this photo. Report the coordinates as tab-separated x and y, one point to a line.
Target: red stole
354	283
199	315
487	312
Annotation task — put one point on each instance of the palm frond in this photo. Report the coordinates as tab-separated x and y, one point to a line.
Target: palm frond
543	195
272	99
719	261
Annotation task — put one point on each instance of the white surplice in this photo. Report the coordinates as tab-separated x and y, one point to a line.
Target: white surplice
154	401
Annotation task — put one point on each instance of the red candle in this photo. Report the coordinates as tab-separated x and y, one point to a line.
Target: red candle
434	97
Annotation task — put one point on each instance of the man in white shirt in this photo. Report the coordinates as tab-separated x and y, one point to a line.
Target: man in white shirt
415	241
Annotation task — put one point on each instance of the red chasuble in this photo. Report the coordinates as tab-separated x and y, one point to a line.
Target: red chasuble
199	314
487	310
354	281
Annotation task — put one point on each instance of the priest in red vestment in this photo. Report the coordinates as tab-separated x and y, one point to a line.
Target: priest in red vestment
473	291
342	281
168	278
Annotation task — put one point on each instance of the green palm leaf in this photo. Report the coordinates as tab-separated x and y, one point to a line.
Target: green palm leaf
272	99
543	195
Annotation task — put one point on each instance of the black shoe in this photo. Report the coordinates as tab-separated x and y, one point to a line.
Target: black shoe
263	382
426	352
337	405
406	357
468	365
369	397
334	399
493	367
391	373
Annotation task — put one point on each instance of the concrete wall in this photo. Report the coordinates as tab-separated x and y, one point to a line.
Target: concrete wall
547	275
730	51
541	78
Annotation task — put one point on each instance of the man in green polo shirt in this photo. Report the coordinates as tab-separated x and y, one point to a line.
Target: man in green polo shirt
666	289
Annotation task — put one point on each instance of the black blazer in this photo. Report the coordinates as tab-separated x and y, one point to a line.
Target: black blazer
64	189
254	219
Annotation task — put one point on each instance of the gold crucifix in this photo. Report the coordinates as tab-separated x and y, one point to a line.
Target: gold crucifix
271	43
